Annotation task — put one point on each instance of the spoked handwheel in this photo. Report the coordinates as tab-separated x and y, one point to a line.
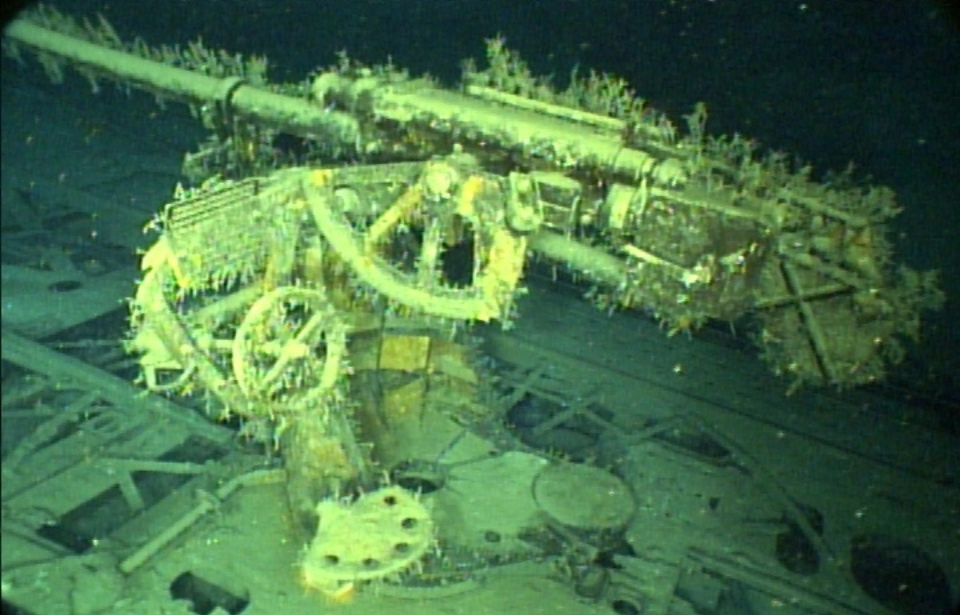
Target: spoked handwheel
289	347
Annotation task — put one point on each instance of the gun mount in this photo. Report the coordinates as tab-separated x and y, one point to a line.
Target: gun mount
317	295
684	225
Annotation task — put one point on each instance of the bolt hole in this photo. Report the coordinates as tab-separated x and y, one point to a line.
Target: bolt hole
491	536
626	607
